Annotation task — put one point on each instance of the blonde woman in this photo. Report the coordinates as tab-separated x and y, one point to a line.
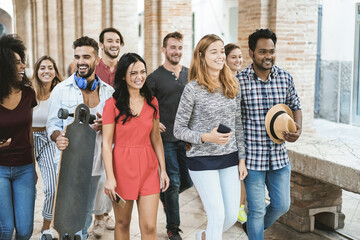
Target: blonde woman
212	97
44	79
234	60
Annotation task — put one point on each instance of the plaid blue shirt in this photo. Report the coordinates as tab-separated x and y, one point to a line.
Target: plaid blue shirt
257	97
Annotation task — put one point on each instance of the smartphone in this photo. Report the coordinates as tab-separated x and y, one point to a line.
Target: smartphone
119	200
223	129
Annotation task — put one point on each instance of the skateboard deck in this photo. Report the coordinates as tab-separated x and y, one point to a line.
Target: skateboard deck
74	175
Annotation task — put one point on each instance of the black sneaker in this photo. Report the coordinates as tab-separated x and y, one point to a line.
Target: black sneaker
173	234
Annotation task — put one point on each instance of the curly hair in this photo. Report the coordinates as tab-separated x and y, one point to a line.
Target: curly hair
10	44
37	83
121	94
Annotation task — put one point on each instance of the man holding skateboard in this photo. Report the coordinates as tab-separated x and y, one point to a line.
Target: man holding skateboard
81	87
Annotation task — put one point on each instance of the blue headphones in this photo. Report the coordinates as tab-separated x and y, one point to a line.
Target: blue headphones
83	84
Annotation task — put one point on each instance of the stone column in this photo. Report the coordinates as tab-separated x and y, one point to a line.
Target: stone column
51	26
312	199
22	26
295	24
160	18
125	18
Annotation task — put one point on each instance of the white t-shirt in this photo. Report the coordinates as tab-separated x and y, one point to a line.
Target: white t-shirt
40	113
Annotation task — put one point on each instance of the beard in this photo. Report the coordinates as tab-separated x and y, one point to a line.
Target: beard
261	64
109	54
89	72
172	62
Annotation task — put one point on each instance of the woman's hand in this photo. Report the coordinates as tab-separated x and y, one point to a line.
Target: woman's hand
164	180
110	185
242	169
6	143
162	127
215	137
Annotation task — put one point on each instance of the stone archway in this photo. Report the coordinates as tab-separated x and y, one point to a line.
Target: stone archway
5	22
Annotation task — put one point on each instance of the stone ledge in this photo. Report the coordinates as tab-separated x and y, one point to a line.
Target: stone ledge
327	160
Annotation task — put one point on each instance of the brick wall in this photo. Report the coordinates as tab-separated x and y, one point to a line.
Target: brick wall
295	23
160	18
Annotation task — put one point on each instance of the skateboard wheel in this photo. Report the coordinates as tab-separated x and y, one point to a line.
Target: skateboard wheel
63	113
77	237
66	237
46	237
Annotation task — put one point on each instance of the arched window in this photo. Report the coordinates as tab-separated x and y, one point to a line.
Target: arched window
3	29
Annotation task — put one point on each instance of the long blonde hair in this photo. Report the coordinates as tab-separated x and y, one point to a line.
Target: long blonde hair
198	69
38	85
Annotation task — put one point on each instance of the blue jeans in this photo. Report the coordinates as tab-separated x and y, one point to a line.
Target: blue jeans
219	191
17	201
260	216
175	160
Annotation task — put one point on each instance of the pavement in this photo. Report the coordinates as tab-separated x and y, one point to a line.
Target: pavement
193	217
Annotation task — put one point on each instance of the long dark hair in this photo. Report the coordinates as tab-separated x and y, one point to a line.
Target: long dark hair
37	83
10	44
121	94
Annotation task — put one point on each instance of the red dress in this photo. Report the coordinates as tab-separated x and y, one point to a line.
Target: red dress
135	163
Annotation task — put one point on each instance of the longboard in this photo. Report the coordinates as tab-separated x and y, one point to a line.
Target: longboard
74	176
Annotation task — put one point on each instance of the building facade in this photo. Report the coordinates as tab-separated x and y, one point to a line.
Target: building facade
50	27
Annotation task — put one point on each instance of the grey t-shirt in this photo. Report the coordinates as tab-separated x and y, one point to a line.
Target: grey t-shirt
167	88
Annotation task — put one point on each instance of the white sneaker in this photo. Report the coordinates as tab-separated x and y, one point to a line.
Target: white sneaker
109	222
198	235
99	228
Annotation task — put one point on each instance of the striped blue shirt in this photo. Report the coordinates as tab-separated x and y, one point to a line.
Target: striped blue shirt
257	97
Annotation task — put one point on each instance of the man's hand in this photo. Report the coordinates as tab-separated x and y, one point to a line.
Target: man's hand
162	127
292	137
97	126
62	142
188	146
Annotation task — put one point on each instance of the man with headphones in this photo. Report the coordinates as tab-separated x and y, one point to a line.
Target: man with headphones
84	86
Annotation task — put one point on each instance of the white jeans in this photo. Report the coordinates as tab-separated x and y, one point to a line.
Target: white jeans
102	203
219	191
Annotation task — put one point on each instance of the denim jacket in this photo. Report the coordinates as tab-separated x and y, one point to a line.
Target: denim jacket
68	95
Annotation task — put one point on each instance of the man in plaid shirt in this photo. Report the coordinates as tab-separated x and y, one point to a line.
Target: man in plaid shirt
264	85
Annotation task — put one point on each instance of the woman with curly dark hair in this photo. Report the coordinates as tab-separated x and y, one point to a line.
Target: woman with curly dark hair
17	172
45	77
131	121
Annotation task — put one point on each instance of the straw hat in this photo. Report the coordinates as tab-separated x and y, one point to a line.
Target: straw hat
279	119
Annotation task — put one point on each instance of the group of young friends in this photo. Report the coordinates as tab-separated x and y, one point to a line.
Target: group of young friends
156	135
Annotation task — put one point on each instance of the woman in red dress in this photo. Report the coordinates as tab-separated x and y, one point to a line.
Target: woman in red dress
131	123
